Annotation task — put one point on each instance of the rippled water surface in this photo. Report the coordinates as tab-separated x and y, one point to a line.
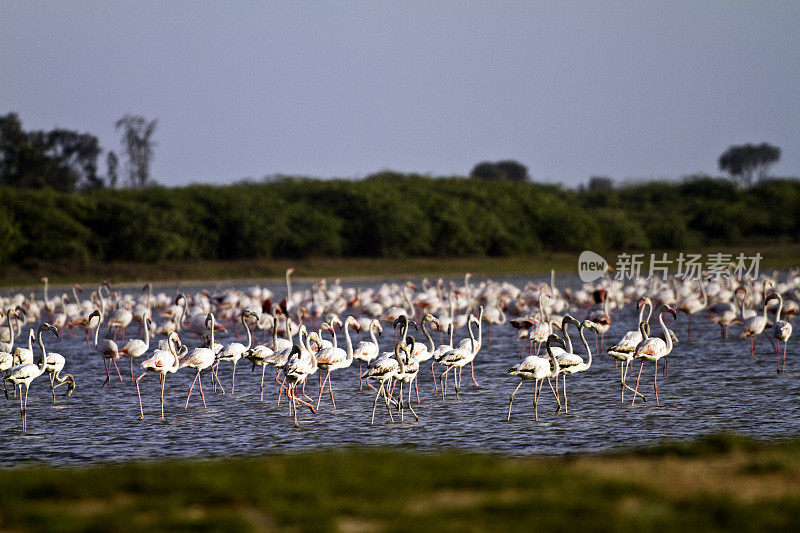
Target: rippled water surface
712	385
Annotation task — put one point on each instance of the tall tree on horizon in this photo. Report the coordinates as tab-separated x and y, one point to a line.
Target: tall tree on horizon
138	146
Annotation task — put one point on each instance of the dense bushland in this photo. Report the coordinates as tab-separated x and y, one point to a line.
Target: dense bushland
390	215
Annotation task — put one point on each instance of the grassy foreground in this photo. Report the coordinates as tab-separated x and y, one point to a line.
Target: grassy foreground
775	256
718	483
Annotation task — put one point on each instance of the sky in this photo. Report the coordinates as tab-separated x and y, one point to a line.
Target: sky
241	90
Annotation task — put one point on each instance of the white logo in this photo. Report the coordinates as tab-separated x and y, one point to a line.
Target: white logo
591	266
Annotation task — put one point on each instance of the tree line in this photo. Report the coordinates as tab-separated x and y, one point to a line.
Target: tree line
390	215
68	160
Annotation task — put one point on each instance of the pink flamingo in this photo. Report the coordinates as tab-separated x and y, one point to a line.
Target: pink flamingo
653	349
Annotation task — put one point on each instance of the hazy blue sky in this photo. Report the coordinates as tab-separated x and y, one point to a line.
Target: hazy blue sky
570	89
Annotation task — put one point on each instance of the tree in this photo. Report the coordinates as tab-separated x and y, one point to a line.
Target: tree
61	159
600	183
112	163
508	169
748	161
138	146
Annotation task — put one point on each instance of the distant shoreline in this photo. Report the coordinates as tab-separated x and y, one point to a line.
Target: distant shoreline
64	273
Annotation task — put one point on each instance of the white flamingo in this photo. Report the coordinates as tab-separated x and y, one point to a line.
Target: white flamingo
301	364
367	351
163	362
233	351
383	369
457	358
55	364
137	347
24	374
653	349
107	349
200	358
334	358
755	325
624	349
536	368
781	329
580	366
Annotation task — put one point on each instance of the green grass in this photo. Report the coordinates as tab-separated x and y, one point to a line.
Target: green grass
717	483
775	256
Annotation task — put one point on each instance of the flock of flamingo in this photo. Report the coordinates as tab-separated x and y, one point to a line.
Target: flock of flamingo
301	330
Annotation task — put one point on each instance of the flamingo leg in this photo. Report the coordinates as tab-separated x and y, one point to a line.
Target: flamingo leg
163	382
375	404
435	388
511	400
566	409
655	379
558	400
388	407
203	396
637	383
138	393
233	378
190	389
115	366
536	393
294	405
263	369
472	369
131	368
322	386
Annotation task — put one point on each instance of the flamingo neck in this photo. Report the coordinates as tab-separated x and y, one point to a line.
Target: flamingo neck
43	364
347	340
372	331
586	345
213	323
570	349
428	335
667	336
249	335
553	360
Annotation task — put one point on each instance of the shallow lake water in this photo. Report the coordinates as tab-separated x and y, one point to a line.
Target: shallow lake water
712	385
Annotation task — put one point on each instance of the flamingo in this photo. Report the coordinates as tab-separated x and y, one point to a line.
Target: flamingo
107	349
55	364
24	374
137	347
234	351
724	313
421	353
24	355
540	328
259	355
163	362
366	351
692	304
624	349
121	319
755	324
407	373
580	366
298	367
475	346
200	358
334	358
458	358
653	349
536	368
383	369
781	329
600	317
